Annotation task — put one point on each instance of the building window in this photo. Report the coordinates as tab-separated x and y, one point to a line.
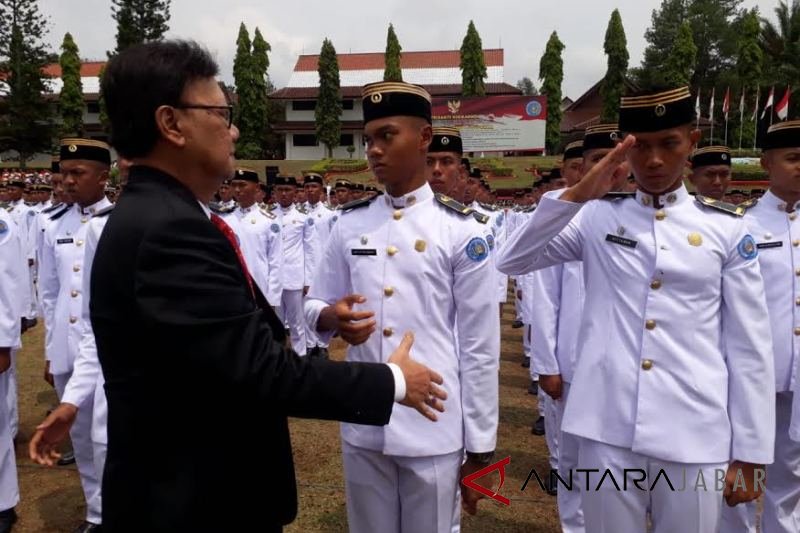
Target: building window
346	140
347	105
93	107
304	105
304	139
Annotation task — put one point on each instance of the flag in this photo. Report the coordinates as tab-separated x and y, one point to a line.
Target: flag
782	109
770	101
697	105
741	106
711	106
755	109
726	103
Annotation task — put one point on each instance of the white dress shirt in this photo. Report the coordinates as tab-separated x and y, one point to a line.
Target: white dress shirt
13	281
298	248
422	267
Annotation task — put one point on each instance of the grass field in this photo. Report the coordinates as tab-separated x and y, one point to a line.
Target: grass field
51	499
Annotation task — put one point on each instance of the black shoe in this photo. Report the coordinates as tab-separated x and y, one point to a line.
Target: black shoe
66	459
88	527
552	484
7	520
526	362
312	353
517	324
533	388
538	427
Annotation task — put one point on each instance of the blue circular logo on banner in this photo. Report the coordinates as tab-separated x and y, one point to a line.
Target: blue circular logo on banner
534	108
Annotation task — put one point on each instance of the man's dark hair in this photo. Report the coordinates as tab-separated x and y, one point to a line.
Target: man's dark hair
140	80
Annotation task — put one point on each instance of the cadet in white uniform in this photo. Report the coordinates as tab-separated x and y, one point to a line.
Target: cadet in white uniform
84	166
322	216
13	276
259	233
297	231
675	371
774	224
412	261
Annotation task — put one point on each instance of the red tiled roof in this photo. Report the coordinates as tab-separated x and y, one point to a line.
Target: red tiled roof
375	60
89	69
301	93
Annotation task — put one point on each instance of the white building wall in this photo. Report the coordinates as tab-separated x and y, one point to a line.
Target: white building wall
313	153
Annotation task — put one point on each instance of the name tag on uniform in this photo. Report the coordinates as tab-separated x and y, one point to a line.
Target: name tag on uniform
768	245
65	241
622	241
364	251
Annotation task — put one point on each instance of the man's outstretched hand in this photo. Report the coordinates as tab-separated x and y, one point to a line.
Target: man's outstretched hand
354	327
50	433
422	390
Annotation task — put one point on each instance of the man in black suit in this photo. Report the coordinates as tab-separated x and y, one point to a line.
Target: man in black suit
198	378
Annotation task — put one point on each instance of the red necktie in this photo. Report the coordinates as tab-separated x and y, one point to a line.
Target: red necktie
231	236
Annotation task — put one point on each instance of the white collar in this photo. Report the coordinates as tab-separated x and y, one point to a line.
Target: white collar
414	197
660	201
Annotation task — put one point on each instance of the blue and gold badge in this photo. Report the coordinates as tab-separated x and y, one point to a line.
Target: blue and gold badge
275	228
747	248
3	227
477	249
490	241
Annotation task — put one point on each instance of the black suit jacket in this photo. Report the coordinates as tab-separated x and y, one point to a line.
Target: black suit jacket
198	379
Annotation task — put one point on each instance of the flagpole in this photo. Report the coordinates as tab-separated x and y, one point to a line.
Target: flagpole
755	117
726	131
741	119
711	115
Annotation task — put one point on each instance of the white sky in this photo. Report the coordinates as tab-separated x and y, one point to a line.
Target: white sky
292	27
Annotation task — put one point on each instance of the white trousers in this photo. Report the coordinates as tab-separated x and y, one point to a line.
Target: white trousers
609	510
569	501
782	497
547	408
392	494
293	317
9	377
81	435
9	487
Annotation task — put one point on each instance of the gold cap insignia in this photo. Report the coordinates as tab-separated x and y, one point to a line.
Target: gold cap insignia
661	110
445	141
376	98
72	148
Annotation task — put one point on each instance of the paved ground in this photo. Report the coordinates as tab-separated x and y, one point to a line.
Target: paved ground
52	499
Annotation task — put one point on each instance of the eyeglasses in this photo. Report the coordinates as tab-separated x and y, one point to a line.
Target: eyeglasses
224	111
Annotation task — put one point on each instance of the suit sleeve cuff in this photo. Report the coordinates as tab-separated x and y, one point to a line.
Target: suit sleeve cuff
399	382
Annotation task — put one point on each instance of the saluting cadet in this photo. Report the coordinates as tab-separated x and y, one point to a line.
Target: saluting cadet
259	233
412	260
13	280
711	171
84	165
674	371
297	232
776	230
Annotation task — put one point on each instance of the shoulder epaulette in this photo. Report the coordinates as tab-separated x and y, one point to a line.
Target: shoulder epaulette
51	208
487	207
618	195
529	209
301	209
749	204
4	205
725	207
61	213
267	213
356	204
460	208
103	212
218	209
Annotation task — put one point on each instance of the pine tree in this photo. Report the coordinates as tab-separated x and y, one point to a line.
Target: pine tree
329	105
258	107
551	72
25	122
749	69
616	48
473	64
70	102
139	21
392	72
680	64
250	87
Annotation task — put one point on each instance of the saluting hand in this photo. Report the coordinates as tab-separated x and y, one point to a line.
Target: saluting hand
354	327
51	433
422	392
604	177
